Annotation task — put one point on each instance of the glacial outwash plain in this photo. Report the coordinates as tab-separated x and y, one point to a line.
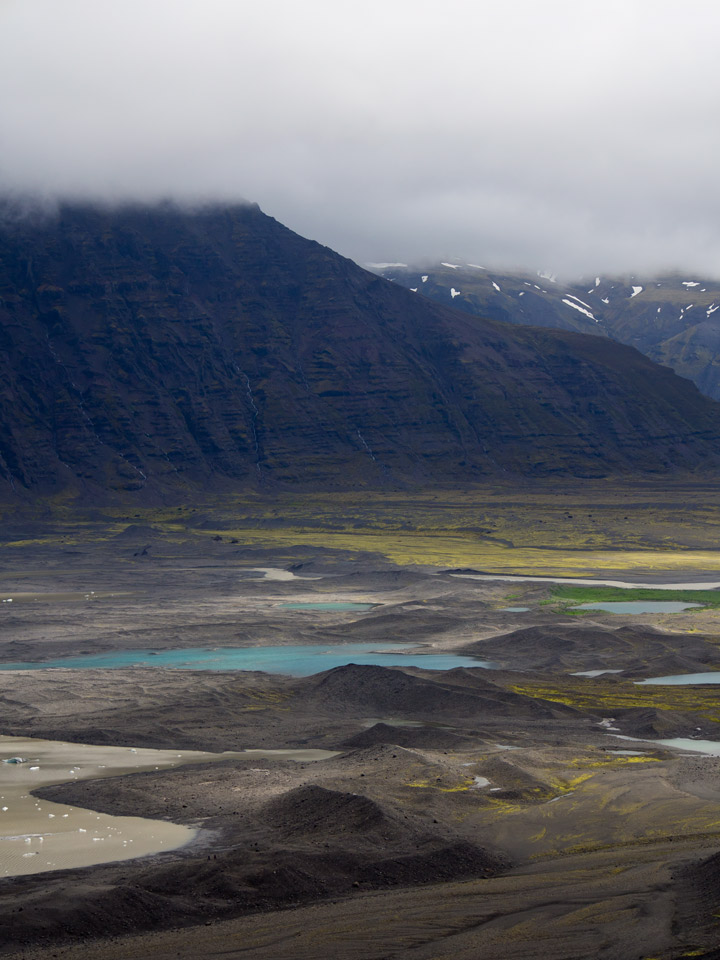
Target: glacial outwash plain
334	621
459	813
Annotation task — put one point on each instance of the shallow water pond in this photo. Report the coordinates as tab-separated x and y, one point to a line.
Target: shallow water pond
330	605
710	748
591	582
593	673
637	606
681	679
298	660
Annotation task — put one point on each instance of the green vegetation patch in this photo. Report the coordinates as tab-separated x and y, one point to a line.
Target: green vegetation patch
578	595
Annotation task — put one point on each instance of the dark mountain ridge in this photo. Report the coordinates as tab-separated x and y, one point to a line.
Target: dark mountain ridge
158	349
670	318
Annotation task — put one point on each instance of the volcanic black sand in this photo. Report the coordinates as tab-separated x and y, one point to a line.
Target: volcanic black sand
470	813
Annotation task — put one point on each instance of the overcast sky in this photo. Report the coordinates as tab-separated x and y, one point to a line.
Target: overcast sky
568	134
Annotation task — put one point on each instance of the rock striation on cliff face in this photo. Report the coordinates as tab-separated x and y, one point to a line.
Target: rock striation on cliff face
152	348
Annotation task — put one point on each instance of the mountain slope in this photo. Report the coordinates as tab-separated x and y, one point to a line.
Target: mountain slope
154	348
674	321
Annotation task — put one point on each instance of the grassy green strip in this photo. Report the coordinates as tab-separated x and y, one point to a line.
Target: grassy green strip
568	594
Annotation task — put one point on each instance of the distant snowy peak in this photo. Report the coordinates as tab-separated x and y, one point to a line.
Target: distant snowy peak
627	308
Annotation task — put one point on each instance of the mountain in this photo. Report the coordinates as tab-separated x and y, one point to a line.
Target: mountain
152	348
672	319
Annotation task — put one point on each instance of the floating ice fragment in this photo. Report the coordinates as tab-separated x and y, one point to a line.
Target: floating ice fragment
454	293
424	278
690	283
15	760
453	266
496	286
636	291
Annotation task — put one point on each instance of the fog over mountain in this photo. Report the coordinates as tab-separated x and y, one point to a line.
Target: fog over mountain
575	136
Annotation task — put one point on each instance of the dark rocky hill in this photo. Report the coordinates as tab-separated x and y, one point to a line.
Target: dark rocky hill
156	349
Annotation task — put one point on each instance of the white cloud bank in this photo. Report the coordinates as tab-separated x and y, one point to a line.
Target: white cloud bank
572	134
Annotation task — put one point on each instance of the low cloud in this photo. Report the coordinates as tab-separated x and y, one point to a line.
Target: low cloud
572	135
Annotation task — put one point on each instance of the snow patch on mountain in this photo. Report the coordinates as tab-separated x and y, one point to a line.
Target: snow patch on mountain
586	305
576	306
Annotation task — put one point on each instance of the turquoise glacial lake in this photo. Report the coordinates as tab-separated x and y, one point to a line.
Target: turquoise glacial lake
638	606
300	660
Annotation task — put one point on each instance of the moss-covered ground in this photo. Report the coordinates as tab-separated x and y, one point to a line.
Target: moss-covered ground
603	697
552	529
580	594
